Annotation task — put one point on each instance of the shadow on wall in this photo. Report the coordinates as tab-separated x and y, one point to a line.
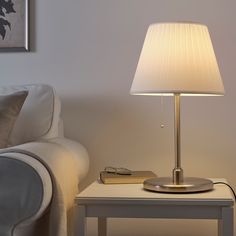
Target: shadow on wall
117	132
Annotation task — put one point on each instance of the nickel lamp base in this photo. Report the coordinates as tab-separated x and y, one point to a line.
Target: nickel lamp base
189	185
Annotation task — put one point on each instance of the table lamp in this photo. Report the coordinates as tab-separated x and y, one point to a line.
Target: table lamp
177	60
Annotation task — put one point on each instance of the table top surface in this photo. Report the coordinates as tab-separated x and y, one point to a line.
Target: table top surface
134	193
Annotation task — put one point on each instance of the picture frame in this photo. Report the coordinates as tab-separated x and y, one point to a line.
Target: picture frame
14	25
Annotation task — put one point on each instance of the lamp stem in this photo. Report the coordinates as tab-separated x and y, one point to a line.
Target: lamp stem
178	184
177	171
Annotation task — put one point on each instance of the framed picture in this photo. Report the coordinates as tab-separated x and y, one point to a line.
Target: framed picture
14	25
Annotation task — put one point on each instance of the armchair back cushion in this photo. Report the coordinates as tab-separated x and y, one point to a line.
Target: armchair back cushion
39	115
10	106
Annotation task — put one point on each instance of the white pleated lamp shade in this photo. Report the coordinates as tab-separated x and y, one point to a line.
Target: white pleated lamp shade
177	58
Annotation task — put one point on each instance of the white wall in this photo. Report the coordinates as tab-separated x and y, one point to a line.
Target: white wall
88	50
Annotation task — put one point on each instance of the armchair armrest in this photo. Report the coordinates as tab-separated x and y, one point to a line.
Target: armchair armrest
54	147
23	196
67	163
78	151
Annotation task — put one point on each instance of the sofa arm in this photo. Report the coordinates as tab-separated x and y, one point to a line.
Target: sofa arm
43	148
22	191
67	162
78	151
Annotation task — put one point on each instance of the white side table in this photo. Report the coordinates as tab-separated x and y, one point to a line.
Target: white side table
131	201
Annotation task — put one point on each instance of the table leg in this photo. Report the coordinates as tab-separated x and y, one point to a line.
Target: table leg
226	223
102	226
80	221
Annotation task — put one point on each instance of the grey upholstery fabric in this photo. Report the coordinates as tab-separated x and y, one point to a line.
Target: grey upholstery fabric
25	181
10	106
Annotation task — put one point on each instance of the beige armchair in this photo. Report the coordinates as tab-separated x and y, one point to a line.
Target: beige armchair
40	170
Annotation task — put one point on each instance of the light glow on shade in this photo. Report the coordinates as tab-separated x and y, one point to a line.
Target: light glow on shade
177	58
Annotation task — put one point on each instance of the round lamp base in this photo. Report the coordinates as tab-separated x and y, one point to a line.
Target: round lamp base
190	185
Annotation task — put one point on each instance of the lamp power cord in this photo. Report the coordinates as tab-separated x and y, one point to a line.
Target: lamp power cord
228	186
